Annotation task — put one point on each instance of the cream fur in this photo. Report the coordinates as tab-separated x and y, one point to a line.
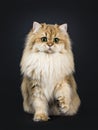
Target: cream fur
48	75
49	69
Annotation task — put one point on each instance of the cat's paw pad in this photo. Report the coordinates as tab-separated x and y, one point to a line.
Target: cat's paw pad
40	117
63	104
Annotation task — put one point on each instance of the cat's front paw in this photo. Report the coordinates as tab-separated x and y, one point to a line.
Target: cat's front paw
63	104
40	117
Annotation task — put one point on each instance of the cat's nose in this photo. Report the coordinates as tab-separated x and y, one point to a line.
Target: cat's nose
50	44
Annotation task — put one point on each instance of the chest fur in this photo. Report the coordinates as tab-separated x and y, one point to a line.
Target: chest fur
48	69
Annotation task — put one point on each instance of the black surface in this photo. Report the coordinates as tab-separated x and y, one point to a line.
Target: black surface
15	22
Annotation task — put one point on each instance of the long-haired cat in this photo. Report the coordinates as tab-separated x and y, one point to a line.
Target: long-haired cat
47	65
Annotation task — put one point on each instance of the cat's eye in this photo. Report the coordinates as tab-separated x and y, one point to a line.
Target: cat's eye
56	40
44	39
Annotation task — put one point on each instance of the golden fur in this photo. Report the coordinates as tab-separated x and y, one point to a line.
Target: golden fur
48	86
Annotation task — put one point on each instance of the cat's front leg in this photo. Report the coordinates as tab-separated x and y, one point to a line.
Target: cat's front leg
39	104
62	94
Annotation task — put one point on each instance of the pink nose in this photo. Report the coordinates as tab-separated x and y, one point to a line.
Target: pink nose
50	44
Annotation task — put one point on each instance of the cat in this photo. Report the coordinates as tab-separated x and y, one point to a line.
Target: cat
47	65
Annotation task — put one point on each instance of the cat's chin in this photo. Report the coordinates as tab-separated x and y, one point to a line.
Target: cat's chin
49	51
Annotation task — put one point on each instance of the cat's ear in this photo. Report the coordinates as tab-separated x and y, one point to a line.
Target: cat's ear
36	26
63	27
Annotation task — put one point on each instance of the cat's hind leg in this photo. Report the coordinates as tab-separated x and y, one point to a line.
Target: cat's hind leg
74	105
25	95
67	98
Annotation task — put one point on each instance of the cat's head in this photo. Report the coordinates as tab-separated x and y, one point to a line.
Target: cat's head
48	38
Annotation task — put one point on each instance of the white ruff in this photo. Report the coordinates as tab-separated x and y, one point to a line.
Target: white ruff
49	69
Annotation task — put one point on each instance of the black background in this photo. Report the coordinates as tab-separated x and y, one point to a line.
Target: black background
16	18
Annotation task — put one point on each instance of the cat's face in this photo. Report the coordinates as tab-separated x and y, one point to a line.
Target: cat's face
49	38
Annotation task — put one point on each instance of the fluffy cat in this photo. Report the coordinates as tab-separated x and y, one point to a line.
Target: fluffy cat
47	65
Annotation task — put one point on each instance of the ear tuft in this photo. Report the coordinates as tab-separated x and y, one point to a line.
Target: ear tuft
63	27
36	26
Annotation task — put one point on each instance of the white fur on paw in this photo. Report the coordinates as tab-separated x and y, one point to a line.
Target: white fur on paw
63	104
64	109
40	117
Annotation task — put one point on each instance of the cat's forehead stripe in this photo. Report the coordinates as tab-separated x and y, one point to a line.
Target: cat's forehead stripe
50	30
